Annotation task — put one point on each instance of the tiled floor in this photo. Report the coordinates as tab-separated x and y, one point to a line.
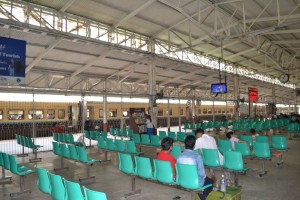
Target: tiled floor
279	183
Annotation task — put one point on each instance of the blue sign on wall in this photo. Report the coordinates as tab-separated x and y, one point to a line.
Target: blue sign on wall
12	60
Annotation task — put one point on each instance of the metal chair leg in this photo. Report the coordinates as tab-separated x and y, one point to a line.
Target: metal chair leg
263	169
88	178
134	191
22	191
62	168
35	159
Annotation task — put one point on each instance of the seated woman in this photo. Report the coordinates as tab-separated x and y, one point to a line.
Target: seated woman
233	139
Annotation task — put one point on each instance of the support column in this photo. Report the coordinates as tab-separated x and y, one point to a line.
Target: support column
105	127
83	113
193	110
179	115
236	94
152	90
168	118
213	109
33	117
295	102
273	94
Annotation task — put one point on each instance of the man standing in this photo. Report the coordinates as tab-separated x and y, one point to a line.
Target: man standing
191	158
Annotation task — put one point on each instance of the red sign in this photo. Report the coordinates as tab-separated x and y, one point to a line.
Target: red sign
253	94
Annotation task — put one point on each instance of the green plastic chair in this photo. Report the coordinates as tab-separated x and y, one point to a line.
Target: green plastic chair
73	152
55	136
56	149
163	172
126	164
262	151
155	140
31	144
1	160
110	145
124	132
65	151
18	139
61	137
58	191
224	145
130	133
176	151
247	138
104	135
25	141
145	139
73	190
93	135
120	145
112	131
233	161
187	177
43	181
98	134
262	139
83	157
143	167
130	148
93	195
180	136
190	133
162	134
243	148
211	158
6	163
87	134
118	132
279	143
137	138
72	141
172	135
65	138
101	143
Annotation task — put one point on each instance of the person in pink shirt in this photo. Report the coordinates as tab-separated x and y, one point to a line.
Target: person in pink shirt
233	139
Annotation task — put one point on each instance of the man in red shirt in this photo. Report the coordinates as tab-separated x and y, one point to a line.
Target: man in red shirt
164	154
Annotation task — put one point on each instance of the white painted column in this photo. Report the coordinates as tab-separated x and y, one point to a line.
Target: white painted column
168	119
236	94
83	113
152	89
105	127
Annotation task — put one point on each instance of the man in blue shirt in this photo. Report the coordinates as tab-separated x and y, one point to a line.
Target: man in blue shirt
191	158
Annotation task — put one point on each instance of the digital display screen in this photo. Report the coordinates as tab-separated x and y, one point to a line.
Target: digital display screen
219	88
253	94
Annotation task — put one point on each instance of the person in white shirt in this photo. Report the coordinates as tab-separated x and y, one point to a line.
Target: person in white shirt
205	141
149	124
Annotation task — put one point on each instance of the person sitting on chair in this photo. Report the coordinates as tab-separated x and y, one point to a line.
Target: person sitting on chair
164	154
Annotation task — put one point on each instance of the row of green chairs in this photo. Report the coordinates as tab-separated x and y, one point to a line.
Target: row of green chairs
121	132
186	175
258	125
27	142
61	189
75	153
8	162
110	144
65	138
93	135
206	125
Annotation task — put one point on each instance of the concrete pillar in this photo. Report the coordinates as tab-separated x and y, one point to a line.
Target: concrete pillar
105	126
83	113
168	117
33	117
295	101
152	89
179	118
236	94
273	94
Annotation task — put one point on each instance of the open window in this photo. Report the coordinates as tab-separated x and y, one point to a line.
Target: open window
35	114
51	114
15	114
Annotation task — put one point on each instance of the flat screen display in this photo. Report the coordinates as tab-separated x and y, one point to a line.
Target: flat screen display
219	88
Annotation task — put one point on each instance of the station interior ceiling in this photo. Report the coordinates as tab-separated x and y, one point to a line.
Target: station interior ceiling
260	36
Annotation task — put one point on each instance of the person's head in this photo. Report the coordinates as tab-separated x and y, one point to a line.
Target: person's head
229	134
149	117
252	131
167	144
190	142
199	132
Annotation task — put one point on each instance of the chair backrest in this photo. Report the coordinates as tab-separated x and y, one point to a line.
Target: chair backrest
65	151
110	144
43	181
155	140
6	161
26	140
120	145
13	164
93	195
224	145
279	142
261	150
82	155
211	157
93	135
125	163
112	131
130	133
243	148
143	167
56	149
87	134
124	132
233	160
101	143
162	134
71	139
180	136
23	140
187	176
176	151
55	136
118	132
163	171
58	191
172	135
137	138
130	146
1	160
61	137
18	139
73	152
104	135
145	139
247	138
66	137
73	190
262	138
